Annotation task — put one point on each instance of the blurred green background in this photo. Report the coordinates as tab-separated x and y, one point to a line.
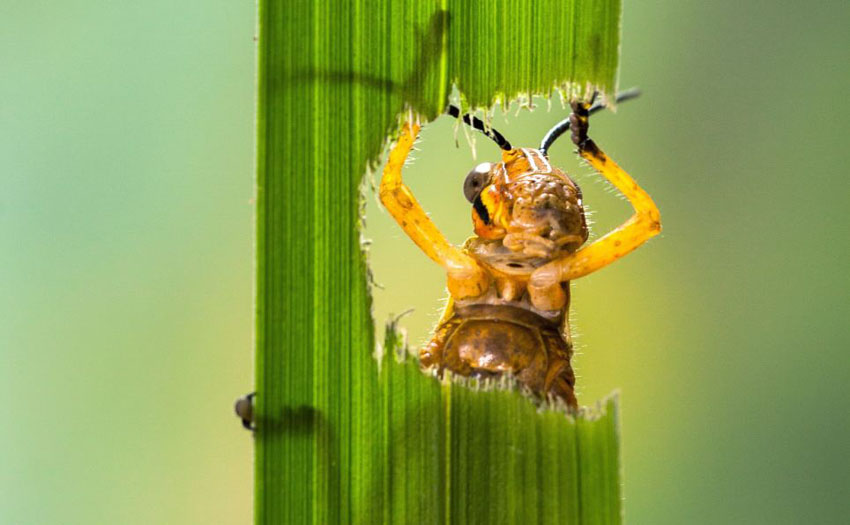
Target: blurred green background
126	179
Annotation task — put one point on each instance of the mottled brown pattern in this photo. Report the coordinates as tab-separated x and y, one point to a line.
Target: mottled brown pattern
488	340
546	211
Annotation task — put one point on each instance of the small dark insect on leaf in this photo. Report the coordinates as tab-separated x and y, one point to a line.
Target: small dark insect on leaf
244	408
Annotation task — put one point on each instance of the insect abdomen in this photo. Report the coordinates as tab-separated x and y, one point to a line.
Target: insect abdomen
486	340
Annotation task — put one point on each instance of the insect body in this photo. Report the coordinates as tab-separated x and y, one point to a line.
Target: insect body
509	284
244	408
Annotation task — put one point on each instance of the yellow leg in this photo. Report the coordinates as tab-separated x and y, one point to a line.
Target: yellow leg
466	278
544	285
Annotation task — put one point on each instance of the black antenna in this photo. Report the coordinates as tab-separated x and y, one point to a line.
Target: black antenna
478	124
561	127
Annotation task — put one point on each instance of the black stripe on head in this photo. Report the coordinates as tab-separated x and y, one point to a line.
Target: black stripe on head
482	211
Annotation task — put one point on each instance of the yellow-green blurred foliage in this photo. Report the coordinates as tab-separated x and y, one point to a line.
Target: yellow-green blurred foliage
126	177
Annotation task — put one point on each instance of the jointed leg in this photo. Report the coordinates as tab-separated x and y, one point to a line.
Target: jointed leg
544	285
466	277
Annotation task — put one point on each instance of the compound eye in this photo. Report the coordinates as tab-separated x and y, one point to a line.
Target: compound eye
476	180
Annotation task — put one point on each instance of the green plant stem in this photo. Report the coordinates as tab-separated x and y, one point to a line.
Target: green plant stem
339	442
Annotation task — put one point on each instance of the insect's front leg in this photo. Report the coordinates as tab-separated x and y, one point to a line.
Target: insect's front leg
545	283
466	278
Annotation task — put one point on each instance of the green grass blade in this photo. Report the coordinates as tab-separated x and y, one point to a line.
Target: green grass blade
341	440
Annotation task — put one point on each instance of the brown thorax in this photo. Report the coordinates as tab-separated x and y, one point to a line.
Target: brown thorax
525	211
